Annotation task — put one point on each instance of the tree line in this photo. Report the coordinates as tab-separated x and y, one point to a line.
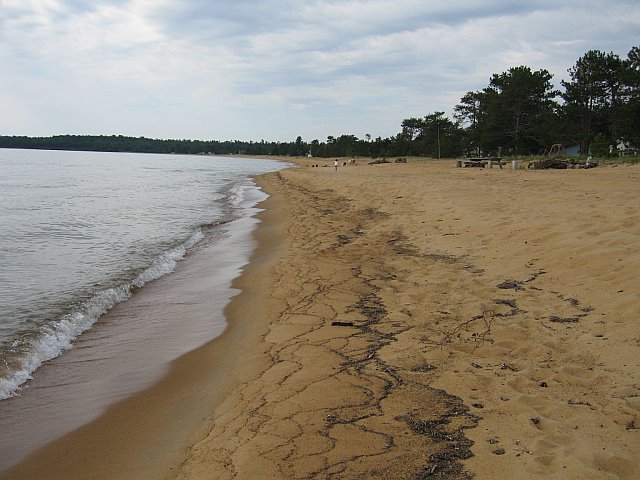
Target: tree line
121	143
518	113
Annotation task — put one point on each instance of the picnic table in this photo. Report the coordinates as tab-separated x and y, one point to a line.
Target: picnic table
482	162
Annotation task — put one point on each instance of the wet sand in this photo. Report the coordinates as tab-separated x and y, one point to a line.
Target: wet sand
405	321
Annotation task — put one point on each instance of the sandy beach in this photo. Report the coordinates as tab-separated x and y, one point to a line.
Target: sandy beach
403	321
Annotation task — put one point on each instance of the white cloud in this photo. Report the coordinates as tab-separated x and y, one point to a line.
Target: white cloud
275	69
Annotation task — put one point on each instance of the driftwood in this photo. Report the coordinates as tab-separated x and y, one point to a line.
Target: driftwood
378	161
560	164
556	319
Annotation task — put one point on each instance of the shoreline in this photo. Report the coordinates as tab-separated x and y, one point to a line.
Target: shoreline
212	266
386	312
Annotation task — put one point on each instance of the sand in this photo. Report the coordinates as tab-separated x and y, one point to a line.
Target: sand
405	321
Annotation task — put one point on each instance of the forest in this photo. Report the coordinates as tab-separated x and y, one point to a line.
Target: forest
519	113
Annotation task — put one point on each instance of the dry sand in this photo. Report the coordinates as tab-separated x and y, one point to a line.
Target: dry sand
406	321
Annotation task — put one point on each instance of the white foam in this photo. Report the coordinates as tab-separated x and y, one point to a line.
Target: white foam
246	195
167	261
58	337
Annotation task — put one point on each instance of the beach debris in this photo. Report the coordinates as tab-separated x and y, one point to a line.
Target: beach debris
535	420
425	367
431	428
506	366
401	160
556	319
341	324
476	365
371	306
560	164
549	163
509	303
543	384
498	451
445	464
401	246
556	158
522	449
578	402
454	445
510	284
493	441
534	275
344	239
632	425
379	161
478	405
448	259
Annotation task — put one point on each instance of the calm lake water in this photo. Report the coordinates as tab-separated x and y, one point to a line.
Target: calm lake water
80	231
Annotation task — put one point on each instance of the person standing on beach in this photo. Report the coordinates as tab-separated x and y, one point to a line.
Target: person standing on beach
335	164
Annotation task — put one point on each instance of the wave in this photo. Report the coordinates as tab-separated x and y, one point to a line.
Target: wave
56	338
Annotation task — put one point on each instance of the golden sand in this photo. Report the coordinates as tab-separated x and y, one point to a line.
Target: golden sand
404	321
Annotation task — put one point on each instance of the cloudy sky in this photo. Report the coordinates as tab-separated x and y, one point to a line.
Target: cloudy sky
276	69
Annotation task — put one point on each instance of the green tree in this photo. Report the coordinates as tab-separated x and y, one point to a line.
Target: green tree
439	136
524	103
595	96
433	135
411	129
467	114
315	148
301	148
513	114
629	126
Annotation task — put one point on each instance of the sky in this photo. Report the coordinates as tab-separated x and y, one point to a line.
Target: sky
274	70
